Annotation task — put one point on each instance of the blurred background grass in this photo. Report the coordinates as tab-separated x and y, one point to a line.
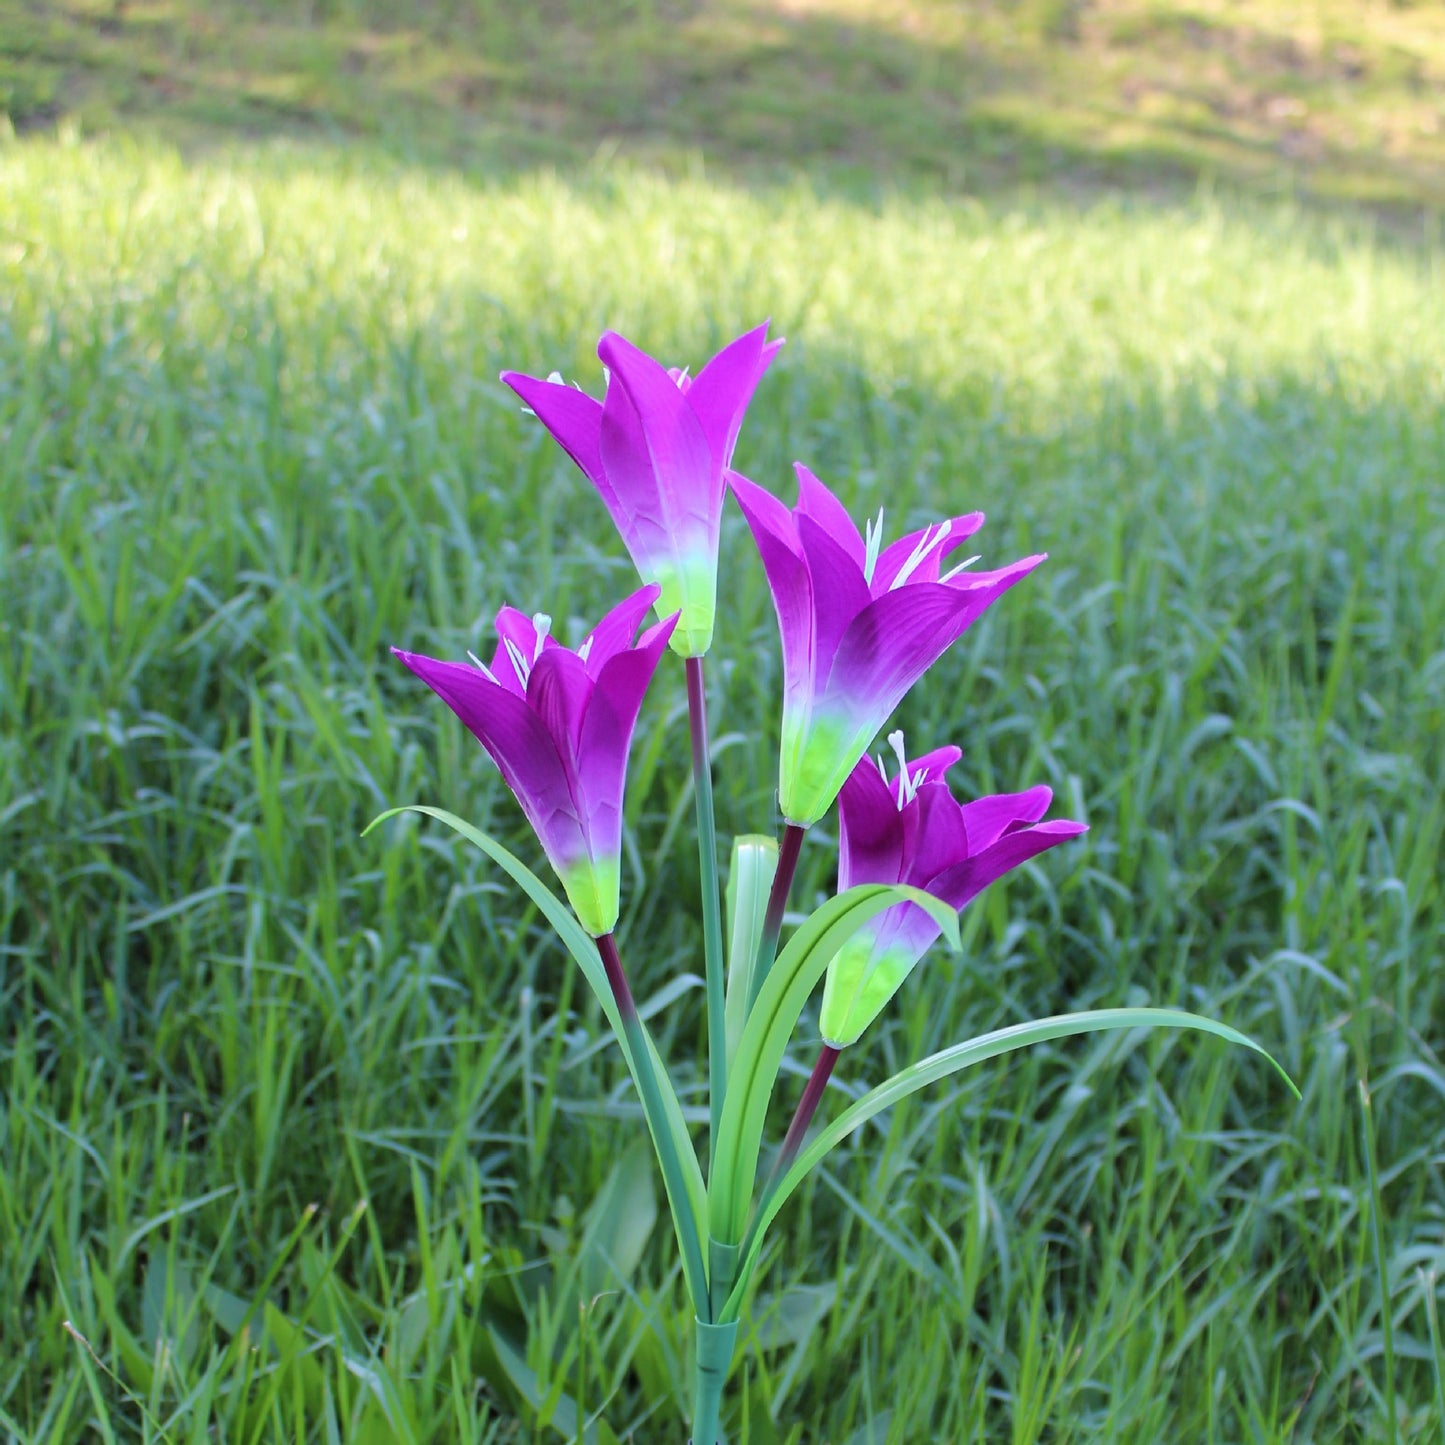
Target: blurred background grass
309	1138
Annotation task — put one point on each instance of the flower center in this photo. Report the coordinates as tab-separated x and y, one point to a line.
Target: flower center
907	786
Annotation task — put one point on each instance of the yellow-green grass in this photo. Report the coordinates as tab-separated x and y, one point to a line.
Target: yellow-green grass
300	1133
1333	99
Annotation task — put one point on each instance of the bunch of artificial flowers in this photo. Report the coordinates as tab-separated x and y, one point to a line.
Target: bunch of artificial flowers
860	623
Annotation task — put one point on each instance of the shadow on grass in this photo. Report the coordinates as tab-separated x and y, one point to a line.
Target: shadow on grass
971	99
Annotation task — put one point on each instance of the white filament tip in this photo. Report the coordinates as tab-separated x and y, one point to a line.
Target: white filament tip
520	664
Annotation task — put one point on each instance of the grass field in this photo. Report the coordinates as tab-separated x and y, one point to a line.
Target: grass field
305	1137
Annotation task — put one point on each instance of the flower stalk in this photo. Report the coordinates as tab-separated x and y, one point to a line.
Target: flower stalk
651	1091
777	904
712	939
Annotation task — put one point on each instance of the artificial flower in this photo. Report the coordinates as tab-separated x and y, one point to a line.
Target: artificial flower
910	829
657	448
559	725
860	623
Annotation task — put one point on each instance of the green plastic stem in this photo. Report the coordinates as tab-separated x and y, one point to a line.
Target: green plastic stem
652	1105
712	936
714	1358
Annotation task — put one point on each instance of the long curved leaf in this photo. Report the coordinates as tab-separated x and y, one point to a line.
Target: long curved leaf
770	1025
686	1192
951	1061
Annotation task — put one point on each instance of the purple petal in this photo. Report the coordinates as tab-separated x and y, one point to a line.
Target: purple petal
617	629
941	840
961	884
719	394
899	636
817	502
936	763
777	540
557	693
893	556
870	829
839	592
988	819
606	735
520	746
573	418
517	628
656	455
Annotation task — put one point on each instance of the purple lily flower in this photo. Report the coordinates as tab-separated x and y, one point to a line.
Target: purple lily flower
559	725
658	448
910	829
861	623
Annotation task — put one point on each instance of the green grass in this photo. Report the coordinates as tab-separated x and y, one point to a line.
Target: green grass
300	1134
1329	99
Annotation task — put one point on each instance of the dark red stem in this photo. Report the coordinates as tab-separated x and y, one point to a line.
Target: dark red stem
807	1107
782	884
612	964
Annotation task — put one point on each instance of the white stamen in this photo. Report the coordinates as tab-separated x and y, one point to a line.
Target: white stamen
882	771
519	662
873	544
485	670
895	741
962	567
682	379
907	786
926	543
585	651
543	624
556	378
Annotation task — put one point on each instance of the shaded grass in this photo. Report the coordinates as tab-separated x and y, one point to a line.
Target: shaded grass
1337	100
301	1133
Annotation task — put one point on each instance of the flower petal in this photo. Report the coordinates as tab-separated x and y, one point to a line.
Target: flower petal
961	884
817	502
870	829
573	418
618	627
656	455
839	592
518	630
900	635
988	819
606	734
941	839
519	744
557	692
719	394
776	535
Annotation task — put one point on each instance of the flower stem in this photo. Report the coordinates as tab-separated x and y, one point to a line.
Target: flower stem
792	1141
803	1115
644	1069
712	939
777	901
